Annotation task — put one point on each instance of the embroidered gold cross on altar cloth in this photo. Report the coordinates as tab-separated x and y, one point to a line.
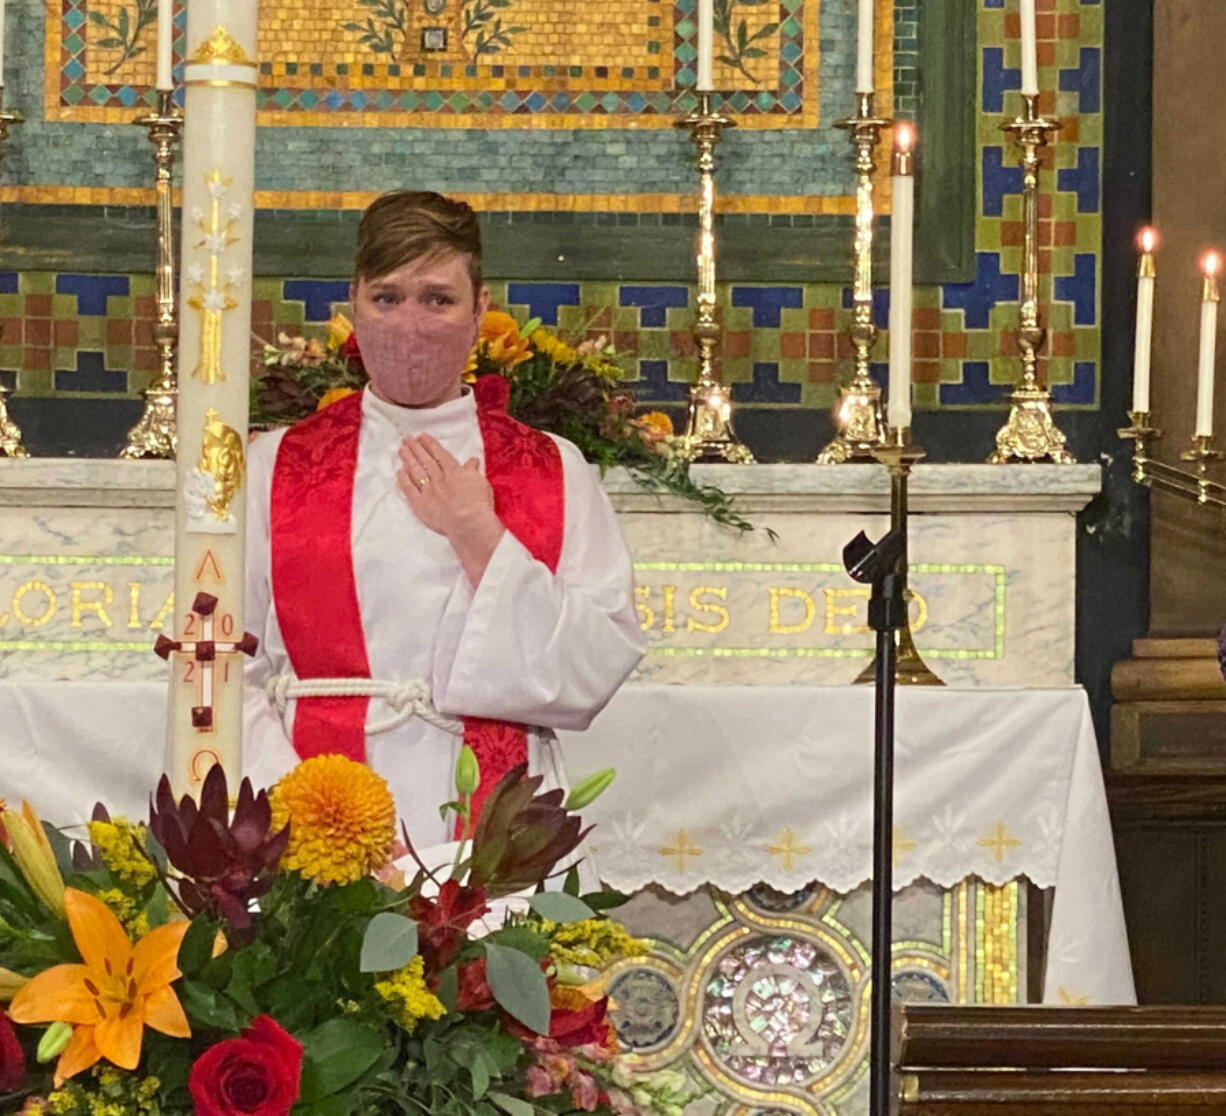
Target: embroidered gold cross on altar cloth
203	654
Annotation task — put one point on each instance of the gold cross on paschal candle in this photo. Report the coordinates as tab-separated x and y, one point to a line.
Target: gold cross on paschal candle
204	652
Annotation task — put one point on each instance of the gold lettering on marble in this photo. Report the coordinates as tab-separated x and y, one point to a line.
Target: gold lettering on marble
134	606
834	610
647	614
780	593
699	605
80	606
19	612
167	609
670	607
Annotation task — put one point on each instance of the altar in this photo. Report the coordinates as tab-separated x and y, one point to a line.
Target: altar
740	817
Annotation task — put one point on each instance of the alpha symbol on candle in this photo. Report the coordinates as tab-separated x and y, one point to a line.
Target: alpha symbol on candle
204	652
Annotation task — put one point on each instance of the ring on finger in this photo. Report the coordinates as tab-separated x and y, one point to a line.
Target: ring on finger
422	482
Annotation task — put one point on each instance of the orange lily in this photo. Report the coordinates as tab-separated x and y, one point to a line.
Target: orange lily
118	991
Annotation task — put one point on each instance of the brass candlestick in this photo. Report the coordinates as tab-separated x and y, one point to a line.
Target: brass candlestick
899	456
10	432
861	430
154	435
708	434
1194	483
1030	434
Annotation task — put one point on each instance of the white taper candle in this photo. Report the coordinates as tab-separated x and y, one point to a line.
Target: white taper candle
166	38
902	232
1143	346
706	46
1030	53
864	48
1211	266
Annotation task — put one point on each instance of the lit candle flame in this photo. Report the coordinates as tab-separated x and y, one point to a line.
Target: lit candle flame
904	137
1211	265
1149	241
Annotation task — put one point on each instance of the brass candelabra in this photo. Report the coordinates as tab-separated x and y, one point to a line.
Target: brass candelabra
899	456
10	432
1030	433
708	434
154	436
861	429
1193	483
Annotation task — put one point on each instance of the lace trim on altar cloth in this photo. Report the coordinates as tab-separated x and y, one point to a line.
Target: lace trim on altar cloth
406	700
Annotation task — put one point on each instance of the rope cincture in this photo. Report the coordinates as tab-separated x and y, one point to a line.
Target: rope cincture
406	699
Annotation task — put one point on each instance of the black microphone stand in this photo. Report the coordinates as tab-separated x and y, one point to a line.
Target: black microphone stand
884	565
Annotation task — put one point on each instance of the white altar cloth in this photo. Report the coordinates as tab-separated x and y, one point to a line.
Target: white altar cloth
736	785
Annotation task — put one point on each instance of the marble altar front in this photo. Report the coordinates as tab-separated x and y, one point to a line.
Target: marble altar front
86	572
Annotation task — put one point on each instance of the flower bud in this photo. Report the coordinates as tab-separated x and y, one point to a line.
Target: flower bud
52	1044
10	984
588	790
34	857
467	771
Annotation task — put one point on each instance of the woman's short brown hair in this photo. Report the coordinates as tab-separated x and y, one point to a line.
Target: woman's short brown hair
407	225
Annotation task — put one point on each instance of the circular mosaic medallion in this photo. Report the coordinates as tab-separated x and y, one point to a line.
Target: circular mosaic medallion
766	898
776	1010
916	986
647	1009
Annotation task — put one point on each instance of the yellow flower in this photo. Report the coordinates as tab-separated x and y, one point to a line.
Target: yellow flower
500	340
553	347
119	842
406	992
32	851
110	998
655	425
590	943
341	816
339	329
125	908
332	395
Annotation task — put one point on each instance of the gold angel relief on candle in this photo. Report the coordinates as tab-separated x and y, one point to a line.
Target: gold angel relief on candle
210	488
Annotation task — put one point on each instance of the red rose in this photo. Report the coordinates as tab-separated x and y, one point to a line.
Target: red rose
256	1075
493	392
12	1060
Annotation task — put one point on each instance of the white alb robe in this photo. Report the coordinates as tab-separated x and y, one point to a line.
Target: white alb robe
525	645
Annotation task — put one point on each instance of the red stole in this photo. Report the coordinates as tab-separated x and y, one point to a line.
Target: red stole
312	567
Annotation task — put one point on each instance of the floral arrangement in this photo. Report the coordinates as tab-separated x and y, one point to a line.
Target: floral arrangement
272	958
573	391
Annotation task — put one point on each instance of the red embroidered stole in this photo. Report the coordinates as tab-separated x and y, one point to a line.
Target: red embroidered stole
313	585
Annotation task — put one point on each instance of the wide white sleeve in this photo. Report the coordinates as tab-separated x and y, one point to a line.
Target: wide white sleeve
540	648
267	751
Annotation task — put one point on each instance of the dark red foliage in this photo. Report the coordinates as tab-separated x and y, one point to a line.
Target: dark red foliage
227	861
441	922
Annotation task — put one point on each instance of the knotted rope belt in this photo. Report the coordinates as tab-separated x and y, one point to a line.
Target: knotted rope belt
406	700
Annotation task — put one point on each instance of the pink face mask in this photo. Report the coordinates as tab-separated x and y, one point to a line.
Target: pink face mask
414	362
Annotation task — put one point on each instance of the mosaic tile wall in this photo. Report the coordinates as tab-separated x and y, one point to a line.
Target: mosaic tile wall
83	335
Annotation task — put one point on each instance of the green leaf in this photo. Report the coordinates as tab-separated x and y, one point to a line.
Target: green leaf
109	43
557	906
448	988
753	52
529	327
512	1105
196	949
481	1078
336	1054
605	900
518	985
571	884
390	942
204	1005
98	19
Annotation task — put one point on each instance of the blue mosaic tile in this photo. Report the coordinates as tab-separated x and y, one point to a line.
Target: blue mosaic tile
999	178
1083	179
543	299
653	302
1086	80
997	79
976	299
1081	390
974	388
765	387
767	302
92	291
316	295
1079	288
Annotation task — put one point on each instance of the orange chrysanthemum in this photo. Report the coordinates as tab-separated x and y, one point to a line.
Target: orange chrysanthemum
342	819
117	992
656	424
500	340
